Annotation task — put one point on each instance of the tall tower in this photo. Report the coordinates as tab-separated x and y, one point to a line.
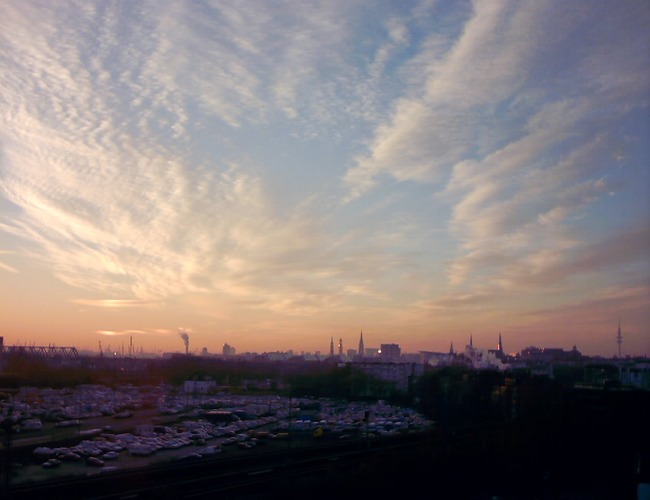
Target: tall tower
619	338
340	346
500	345
362	349
469	348
331	346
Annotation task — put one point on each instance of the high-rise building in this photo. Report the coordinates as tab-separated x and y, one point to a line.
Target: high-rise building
340	346
331	346
390	351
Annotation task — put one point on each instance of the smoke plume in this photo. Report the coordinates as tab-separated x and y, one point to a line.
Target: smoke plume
186	340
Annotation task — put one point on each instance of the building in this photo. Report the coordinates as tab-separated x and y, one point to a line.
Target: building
390	352
635	373
484	358
400	374
549	354
436	358
498	352
371	352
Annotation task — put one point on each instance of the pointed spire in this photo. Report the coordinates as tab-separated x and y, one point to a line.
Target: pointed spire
500	344
470	341
451	348
362	350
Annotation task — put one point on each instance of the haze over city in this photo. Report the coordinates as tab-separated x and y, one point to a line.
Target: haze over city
274	174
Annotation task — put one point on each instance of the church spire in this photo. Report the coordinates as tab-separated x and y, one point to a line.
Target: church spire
500	344
362	349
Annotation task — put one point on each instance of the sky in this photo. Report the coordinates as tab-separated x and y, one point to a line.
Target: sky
272	175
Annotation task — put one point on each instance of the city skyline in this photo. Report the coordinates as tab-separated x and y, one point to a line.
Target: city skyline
271	176
124	347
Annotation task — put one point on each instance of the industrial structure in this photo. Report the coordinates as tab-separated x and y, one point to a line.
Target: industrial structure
48	352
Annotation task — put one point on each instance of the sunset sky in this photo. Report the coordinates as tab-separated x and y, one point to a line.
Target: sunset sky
272	174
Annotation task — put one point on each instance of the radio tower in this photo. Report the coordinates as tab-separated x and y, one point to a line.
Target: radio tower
619	338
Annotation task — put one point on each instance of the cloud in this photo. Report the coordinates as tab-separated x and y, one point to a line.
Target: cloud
437	126
611	302
525	156
486	97
116	303
477	300
152	331
109	206
162	149
8	268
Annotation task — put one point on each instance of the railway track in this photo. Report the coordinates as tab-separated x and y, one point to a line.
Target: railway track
239	477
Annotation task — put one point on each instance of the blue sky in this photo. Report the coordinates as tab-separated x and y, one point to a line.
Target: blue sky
271	174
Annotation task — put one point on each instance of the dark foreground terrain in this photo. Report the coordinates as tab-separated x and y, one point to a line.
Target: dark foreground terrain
483	462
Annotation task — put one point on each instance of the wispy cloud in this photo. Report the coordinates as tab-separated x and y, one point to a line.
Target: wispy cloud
7	267
522	157
119	209
4	266
153	332
115	303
